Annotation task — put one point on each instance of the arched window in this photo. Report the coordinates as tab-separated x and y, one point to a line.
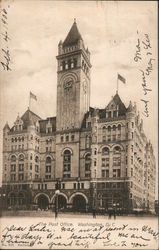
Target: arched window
114	128
13	164
116	162
67	164
105	162
62	138
37	164
48	168
105	151
21	162
109	129
117	150
13	158
104	130
88	165
119	127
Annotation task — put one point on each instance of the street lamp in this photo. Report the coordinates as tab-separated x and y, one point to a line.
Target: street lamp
57	192
2	196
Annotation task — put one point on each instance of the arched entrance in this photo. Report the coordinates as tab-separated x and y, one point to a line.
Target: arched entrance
42	201
79	203
62	202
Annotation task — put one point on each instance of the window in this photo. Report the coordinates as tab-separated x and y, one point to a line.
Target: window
87	165
105	151
126	160
67	164
21	167
109	129
116	161
131	159
104	138
72	137
104	130
132	135
31	157
89	124
126	148
30	166
21	177
132	124
63	185
82	185
13	177
95	163
117	150
13	158
105	162
13	167
61	138
36	168
95	151
115	113
109	114
67	138
114	128
126	172
131	171
48	165
116	173
105	173
132	148
119	127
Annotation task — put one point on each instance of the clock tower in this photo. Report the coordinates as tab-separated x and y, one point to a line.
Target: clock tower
73	81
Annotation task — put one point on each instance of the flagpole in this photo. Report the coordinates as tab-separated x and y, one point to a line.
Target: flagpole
29	100
117	85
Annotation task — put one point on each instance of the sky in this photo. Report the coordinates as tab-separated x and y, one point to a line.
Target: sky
110	29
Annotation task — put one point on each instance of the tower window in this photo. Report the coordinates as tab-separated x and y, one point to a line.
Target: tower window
75	62
67	164
72	137
67	138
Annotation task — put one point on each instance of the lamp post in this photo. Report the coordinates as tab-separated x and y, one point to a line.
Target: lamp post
2	197
57	192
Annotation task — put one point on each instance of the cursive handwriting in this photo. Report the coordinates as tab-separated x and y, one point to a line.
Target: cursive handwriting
62	235
143	54
5	63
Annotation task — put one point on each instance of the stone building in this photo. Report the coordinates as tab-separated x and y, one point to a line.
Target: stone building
100	157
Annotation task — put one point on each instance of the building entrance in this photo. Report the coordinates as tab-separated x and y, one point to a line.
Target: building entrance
43	202
79	203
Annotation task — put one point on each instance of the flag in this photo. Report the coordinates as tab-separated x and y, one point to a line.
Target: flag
33	96
121	78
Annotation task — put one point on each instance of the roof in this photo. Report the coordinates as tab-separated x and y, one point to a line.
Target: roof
29	118
73	36
118	101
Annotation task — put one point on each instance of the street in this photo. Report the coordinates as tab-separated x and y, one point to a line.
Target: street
79	215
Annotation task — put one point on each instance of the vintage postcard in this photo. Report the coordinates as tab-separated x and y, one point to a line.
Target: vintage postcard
79	125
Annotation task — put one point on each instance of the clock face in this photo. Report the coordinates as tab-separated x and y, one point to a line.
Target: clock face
68	84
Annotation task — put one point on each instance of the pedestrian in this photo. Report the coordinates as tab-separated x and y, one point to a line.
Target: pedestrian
109	213
94	213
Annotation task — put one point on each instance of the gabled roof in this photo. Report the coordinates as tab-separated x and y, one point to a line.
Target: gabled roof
29	118
73	36
6	126
116	99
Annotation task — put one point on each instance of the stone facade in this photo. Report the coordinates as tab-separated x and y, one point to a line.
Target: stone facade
100	157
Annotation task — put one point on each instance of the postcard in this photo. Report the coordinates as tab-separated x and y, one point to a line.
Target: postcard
79	125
